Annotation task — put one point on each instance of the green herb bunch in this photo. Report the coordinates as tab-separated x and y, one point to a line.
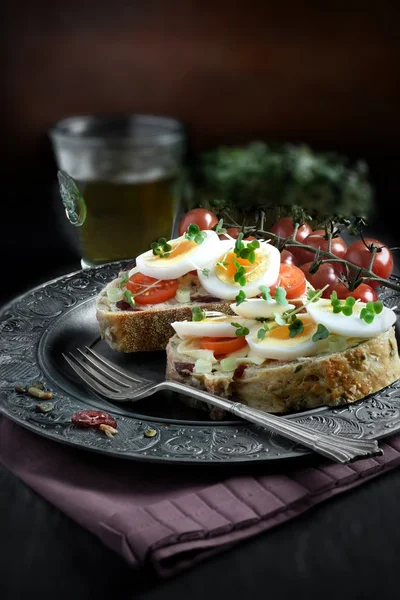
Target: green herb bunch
244	179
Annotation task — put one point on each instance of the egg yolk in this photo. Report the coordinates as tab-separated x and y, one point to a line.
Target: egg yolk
282	332
226	268
180	248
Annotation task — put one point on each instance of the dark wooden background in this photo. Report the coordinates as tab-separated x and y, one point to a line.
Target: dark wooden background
327	73
324	73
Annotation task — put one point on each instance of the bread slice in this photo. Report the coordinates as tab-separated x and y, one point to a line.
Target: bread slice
286	386
148	327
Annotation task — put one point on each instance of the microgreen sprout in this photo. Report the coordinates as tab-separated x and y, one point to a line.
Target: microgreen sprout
340	306
296	327
240	275
128	297
321	333
241	297
124	278
198	314
370	310
161	248
265	293
223	264
240	331
194	234
262	332
206	272
220	229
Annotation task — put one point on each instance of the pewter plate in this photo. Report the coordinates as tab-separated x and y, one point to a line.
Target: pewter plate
59	316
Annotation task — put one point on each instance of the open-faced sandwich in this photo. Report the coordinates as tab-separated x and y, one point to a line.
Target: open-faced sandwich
279	358
196	269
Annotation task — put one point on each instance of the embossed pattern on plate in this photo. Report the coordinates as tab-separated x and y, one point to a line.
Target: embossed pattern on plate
59	315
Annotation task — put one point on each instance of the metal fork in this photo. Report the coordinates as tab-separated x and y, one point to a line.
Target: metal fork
118	385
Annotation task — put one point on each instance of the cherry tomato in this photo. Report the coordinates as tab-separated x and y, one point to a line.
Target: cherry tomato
288	257
233	232
318	240
222	345
292	279
325	275
363	292
203	218
358	254
284	228
160	292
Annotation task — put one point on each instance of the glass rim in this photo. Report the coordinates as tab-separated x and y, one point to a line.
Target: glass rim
75	130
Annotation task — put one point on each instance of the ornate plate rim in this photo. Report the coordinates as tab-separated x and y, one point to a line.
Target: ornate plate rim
381	418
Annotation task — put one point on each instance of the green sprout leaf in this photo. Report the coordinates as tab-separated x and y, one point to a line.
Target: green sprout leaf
124	278
206	272
265	293
280	319
321	333
198	314
219	228
370	310
241	297
313	295
194	234
296	327
128	297
240	331
161	248
280	296
261	333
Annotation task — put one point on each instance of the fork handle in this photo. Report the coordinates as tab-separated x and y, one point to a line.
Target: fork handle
338	448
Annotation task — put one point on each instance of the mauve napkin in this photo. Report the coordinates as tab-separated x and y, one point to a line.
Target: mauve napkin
174	517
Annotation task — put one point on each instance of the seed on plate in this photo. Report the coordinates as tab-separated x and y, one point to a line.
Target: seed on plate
38	393
20	389
108	430
150	432
45	406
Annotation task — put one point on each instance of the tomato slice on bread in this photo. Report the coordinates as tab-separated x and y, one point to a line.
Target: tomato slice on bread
222	345
161	291
292	279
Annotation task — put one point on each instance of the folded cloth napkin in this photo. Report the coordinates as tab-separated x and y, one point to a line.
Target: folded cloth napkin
173	516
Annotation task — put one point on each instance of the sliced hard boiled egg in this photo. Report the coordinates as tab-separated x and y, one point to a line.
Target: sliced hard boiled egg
211	327
277	343
352	325
257	308
185	255
220	282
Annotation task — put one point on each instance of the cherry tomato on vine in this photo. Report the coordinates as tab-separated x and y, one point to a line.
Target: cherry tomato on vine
318	240
284	228
288	257
363	292
203	218
324	276
233	232
359	254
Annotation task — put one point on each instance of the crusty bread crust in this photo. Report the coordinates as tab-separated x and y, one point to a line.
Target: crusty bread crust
280	387
145	330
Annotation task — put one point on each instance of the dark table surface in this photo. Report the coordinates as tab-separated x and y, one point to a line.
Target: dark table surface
348	547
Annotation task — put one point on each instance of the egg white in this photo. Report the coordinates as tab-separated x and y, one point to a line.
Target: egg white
211	327
257	308
351	326
213	285
298	346
173	267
